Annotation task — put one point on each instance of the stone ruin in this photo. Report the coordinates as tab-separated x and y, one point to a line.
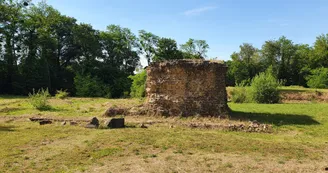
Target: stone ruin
186	88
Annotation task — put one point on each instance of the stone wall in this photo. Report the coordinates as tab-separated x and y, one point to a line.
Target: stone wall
186	88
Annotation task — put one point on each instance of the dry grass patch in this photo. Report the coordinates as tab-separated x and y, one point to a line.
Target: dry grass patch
55	148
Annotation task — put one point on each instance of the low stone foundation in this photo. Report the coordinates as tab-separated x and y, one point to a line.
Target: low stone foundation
186	88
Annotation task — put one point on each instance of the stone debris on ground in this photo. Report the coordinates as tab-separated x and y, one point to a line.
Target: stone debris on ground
73	123
43	122
113	111
253	126
138	110
91	126
116	123
142	125
37	119
107	123
94	123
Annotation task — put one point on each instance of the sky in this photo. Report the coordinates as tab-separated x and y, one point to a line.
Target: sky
224	24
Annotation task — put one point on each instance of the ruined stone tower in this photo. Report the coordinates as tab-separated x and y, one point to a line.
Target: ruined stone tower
186	88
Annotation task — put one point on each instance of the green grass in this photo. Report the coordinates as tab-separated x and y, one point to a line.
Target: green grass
300	89
299	141
71	107
293	89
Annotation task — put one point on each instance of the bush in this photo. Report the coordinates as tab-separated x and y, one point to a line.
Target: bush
138	87
240	94
264	88
61	94
87	86
39	100
318	78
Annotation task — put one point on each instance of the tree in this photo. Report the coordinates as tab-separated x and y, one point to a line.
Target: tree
11	23
119	59
88	47
138	87
279	54
318	78
167	49
245	64
201	49
148	42
300	64
238	69
320	57
42	48
195	49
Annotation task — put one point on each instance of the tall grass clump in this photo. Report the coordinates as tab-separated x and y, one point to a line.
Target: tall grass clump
39	100
264	88
61	94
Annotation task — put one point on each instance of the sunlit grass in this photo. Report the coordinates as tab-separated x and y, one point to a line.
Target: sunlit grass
299	140
68	107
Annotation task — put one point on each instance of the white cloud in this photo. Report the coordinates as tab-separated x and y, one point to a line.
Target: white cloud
197	11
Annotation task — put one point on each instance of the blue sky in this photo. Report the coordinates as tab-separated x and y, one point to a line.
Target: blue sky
224	24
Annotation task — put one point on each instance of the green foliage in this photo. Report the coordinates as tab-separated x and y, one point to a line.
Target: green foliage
42	48
290	62
318	78
61	94
39	100
246	82
240	94
264	88
87	86
167	49
148	42
22	140
138	84
194	49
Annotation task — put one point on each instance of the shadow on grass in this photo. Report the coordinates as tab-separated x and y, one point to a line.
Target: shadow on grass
9	103
11	97
9	110
51	109
6	128
276	119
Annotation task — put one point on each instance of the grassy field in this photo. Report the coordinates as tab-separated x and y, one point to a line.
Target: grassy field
294	89
299	142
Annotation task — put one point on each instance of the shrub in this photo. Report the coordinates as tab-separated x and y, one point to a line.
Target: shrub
138	88
240	94
246	82
61	94
264	88
39	100
87	86
318	78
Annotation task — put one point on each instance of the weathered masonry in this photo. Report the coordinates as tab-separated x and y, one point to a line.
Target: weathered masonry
186	88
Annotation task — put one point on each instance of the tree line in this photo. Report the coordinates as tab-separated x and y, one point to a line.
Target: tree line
42	48
292	64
